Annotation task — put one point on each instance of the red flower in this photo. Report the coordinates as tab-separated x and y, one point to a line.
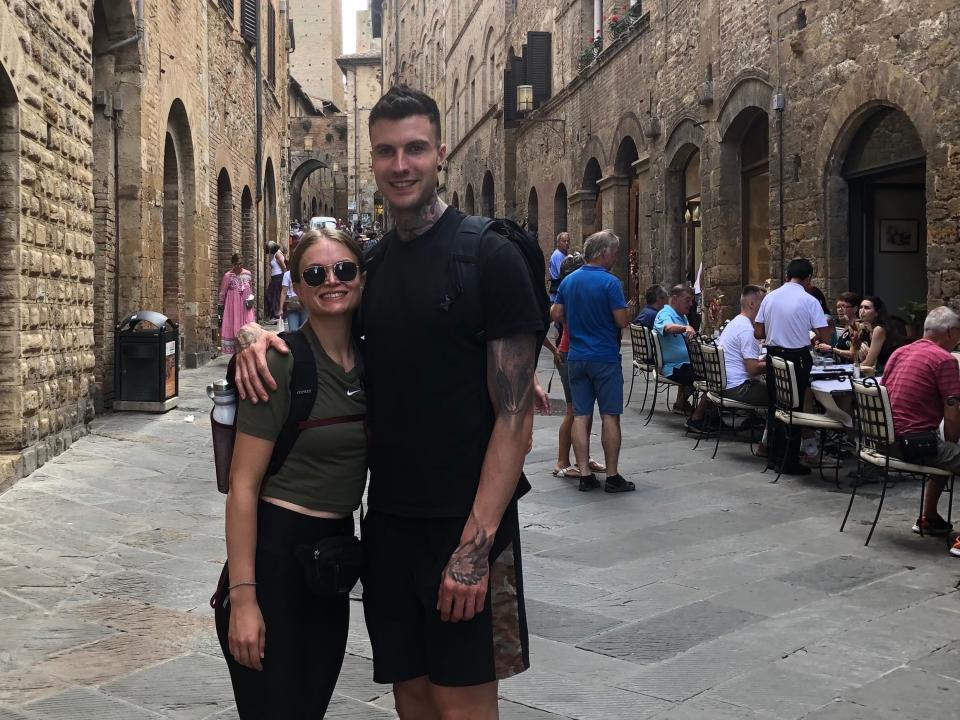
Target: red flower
613	18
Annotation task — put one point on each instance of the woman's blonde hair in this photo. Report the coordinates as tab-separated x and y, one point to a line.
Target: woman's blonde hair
312	237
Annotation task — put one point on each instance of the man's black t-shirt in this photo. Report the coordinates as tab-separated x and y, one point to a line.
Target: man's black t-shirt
429	411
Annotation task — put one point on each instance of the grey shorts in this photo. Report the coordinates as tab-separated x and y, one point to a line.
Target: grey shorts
752	392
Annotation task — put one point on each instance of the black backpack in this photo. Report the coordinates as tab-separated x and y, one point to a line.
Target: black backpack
466	258
303	392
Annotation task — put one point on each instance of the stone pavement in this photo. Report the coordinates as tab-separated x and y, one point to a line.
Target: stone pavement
709	593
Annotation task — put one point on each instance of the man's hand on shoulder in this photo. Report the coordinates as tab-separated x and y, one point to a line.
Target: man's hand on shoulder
251	368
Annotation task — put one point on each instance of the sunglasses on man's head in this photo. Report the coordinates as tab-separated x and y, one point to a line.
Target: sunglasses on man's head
344	271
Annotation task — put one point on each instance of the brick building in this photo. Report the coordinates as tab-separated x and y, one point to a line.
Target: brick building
736	133
319	43
364	81
318	158
128	176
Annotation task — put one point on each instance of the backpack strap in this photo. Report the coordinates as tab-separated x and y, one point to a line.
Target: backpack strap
466	255
303	393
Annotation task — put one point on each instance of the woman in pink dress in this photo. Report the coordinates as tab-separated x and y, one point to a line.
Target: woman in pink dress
236	287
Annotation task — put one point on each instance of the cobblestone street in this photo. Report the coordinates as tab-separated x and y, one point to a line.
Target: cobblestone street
709	593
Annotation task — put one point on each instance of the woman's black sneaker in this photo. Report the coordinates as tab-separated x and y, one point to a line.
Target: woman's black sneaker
616	483
589	482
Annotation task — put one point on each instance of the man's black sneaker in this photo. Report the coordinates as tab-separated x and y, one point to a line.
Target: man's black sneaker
932	526
589	482
616	483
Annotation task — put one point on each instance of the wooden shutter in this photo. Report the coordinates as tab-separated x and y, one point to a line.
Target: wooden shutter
271	45
227	5
248	20
539	68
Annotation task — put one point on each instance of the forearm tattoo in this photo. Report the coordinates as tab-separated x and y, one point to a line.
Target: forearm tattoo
470	563
511	365
248	335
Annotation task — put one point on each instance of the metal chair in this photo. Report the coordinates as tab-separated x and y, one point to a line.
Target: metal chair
715	377
653	340
643	361
873	420
787	397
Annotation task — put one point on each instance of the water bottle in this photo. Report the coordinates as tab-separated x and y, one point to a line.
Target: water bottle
224	396
222	418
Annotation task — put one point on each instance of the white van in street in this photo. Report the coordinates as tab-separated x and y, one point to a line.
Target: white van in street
320	222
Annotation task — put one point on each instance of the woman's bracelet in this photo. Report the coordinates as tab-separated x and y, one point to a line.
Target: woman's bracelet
240	584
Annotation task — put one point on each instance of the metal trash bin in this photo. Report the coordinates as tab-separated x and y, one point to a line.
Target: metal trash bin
146	363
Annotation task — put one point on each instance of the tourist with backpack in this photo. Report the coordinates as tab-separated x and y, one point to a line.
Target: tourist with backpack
297	474
453	316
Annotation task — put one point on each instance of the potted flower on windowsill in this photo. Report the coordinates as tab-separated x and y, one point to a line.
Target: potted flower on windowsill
591	51
619	23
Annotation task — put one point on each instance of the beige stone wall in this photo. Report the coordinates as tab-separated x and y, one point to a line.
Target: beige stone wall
318	160
691	77
317	28
364	87
111	148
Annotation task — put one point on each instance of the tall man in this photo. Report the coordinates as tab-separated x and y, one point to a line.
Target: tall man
441	537
785	319
591	306
559	253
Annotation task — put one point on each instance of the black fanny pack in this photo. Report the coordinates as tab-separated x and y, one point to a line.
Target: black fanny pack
332	566
919	446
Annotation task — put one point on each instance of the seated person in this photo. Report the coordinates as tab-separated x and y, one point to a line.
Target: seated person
672	326
878	337
920	378
848	304
746	379
656	298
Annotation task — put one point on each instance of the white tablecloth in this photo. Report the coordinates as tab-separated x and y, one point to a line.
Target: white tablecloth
823	391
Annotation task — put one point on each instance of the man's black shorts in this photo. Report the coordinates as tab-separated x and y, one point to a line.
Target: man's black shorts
404	559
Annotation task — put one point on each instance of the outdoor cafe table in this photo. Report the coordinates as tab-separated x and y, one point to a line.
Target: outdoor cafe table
823	391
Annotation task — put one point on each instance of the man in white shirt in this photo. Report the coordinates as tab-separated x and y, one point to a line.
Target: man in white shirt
741	352
785	319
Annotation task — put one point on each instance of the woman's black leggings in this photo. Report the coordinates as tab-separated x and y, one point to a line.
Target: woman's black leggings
306	636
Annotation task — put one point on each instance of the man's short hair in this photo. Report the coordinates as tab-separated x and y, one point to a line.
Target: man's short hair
401	102
654	294
599	244
680	290
940	320
799	269
560	235
750	291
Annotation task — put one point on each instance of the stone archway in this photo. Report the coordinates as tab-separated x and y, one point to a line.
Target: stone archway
619	191
179	266
560	210
226	246
588	200
297	180
455	200
488	196
883	89
11	416
679	257
469	204
533	211
115	143
248	229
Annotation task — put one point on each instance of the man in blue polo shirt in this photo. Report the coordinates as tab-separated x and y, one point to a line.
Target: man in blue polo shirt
590	303
674	330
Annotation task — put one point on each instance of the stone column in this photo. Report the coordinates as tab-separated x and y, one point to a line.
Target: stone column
615	190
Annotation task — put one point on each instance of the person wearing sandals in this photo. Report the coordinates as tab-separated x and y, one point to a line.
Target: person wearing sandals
591	306
564	468
283	641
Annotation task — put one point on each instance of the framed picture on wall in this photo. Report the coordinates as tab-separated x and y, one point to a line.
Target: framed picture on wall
899	235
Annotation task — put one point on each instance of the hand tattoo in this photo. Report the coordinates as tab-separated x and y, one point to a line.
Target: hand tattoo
512	363
470	562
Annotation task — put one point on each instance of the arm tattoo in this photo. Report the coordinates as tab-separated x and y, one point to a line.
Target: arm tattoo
511	363
470	563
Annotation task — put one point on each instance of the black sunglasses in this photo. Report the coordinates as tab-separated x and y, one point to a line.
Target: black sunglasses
344	271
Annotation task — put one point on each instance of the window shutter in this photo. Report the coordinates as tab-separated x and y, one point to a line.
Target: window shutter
271	45
509	97
227	5
539	68
248	20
